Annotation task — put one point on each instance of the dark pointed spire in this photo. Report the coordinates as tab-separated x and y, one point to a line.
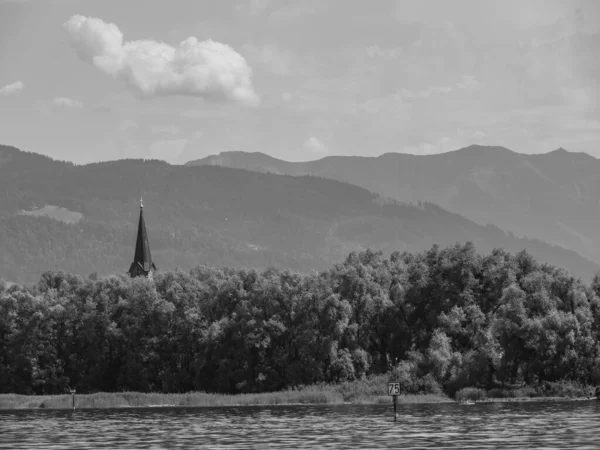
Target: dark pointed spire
142	264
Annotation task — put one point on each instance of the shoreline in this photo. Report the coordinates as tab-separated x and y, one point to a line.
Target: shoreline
106	400
536	399
130	400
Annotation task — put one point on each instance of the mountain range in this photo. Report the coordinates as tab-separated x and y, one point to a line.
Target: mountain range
554	197
55	215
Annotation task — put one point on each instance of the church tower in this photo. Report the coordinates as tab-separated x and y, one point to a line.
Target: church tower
142	264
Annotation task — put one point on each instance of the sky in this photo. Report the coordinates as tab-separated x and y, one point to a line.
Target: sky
95	80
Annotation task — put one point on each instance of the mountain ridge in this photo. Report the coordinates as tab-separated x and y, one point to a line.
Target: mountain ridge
476	147
218	216
553	196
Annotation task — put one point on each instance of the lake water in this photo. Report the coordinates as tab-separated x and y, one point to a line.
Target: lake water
526	425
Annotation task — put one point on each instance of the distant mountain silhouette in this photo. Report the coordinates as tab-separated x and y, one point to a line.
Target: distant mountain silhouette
214	215
554	197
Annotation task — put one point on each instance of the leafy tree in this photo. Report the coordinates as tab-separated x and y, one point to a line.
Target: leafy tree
441	319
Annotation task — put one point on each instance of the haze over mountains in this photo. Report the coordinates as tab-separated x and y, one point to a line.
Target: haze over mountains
554	197
55	215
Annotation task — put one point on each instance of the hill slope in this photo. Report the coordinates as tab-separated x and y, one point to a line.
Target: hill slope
554	197
216	216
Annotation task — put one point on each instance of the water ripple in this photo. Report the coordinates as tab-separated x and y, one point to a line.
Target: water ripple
561	425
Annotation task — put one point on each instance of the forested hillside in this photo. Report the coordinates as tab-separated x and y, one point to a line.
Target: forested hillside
554	196
439	319
216	216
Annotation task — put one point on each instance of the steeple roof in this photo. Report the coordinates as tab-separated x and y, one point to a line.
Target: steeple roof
142	260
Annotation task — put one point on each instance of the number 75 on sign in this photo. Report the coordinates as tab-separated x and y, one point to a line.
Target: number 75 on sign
393	388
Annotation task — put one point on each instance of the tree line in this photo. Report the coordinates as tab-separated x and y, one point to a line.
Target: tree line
440	319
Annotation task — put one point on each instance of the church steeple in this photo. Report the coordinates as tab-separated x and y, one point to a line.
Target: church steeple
142	264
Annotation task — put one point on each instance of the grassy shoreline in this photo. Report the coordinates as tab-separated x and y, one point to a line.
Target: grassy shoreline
105	400
535	399
369	391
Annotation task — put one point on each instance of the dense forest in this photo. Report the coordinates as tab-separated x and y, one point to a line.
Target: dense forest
440	319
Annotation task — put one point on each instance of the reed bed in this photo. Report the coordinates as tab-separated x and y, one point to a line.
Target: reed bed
372	390
557	391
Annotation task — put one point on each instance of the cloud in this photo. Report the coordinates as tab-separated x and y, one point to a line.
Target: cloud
251	7
279	11
316	146
297	10
206	69
12	88
273	59
390	54
448	142
168	149
432	90
470	82
580	125
441	145
101	109
67	102
164	129
126	125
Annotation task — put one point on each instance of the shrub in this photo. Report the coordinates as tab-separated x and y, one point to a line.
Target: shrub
410	383
563	389
512	393
470	393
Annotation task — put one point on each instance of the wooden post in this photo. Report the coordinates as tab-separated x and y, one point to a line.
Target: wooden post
73	395
395	408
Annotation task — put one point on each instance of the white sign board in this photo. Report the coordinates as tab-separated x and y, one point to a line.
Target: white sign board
393	388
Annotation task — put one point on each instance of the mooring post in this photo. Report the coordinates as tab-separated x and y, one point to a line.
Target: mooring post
73	395
394	390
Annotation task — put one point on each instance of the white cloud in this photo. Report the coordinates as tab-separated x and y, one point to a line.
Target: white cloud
443	144
479	135
127	125
316	146
251	7
206	69
168	149
427	148
272	58
12	88
164	129
580	125
375	51
469	82
67	102
432	90
297	10
577	99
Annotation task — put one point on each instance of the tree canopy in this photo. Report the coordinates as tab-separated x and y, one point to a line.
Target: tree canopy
440	319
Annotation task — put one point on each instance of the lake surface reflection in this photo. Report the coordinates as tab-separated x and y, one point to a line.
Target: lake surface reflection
526	425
